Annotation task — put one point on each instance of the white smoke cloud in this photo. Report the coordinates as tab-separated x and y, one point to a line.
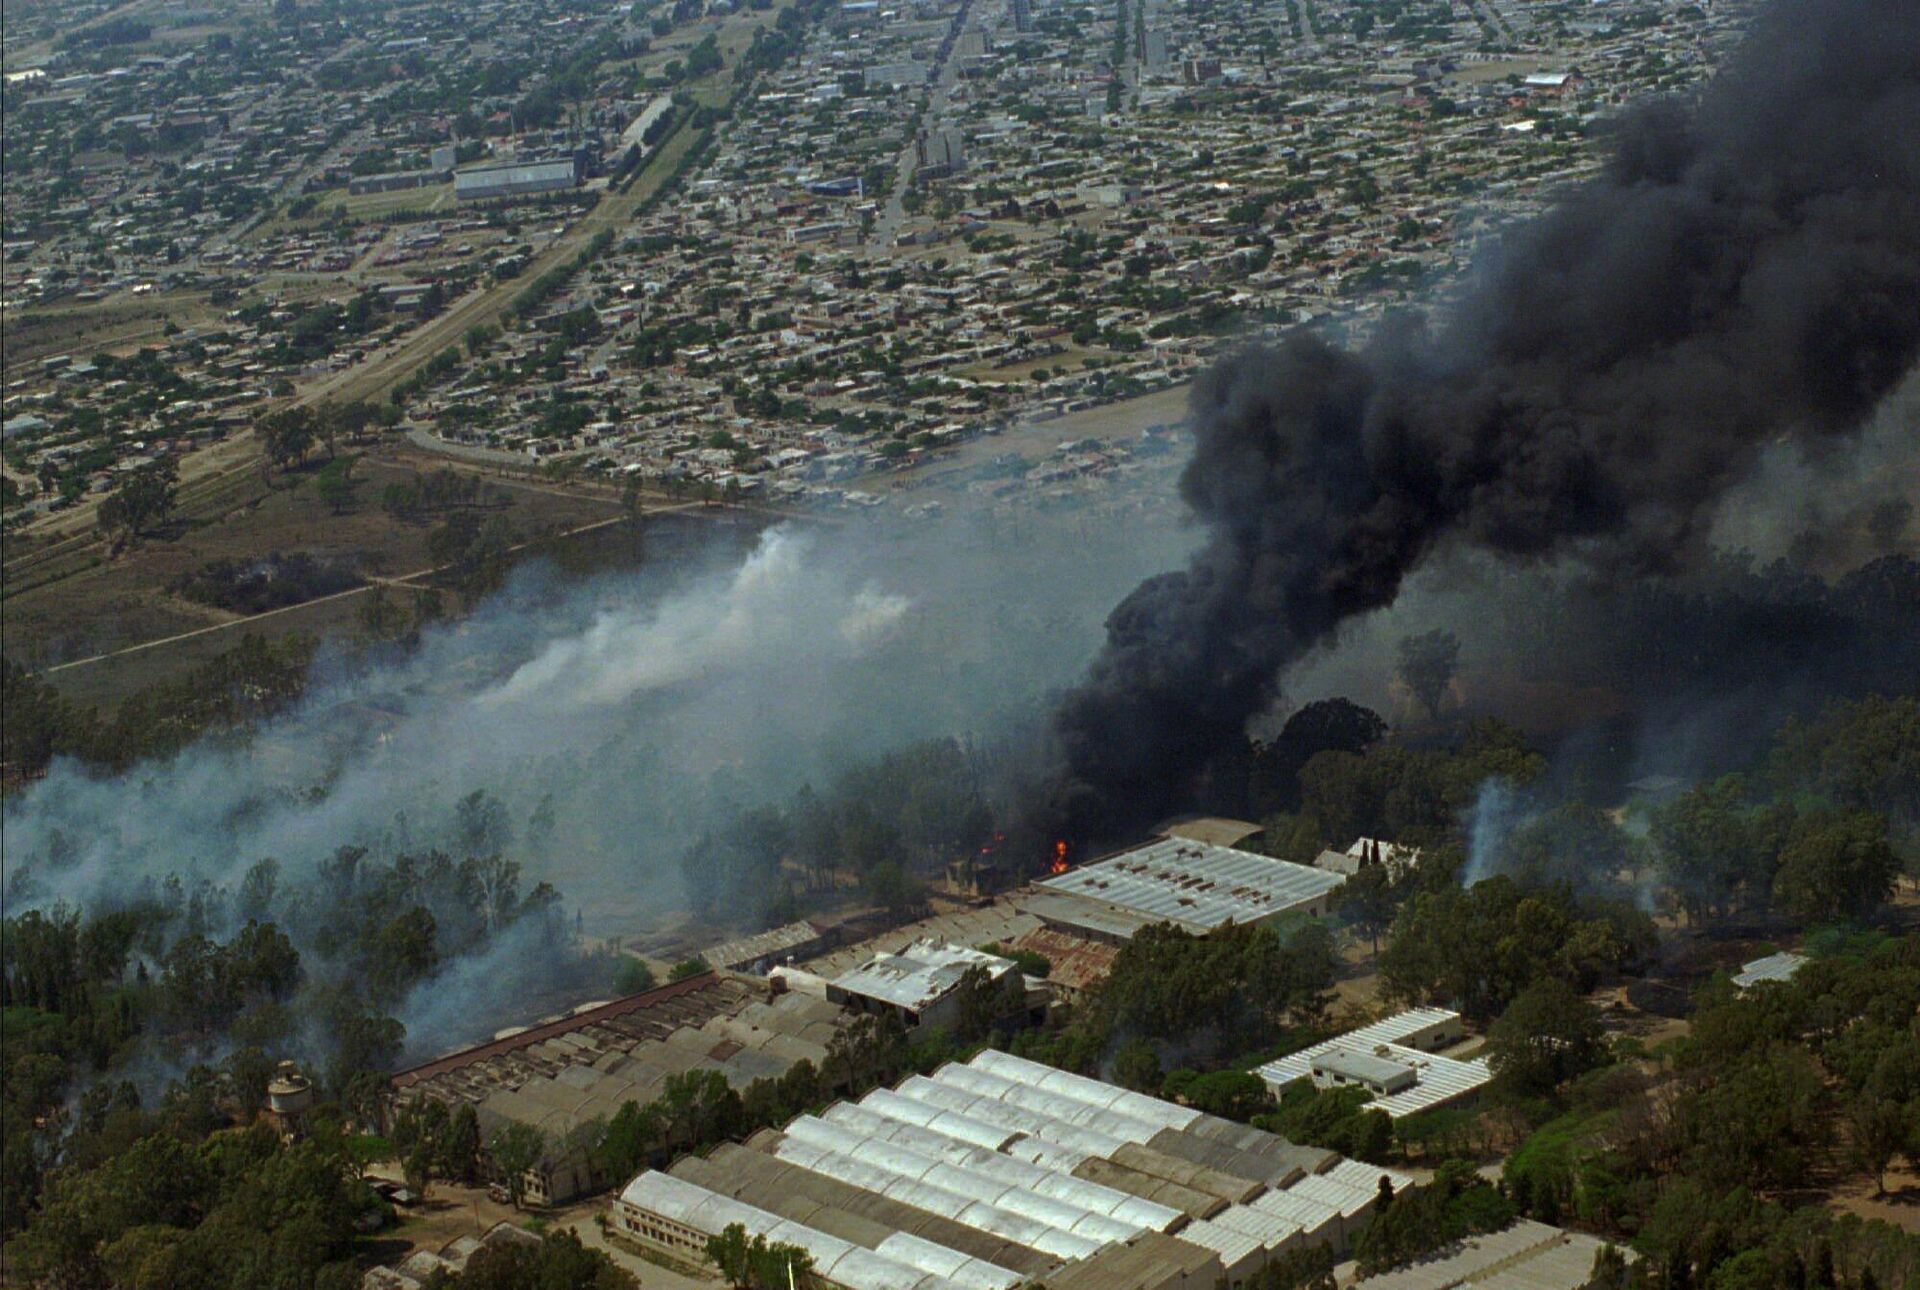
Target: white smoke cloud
635	706
772	605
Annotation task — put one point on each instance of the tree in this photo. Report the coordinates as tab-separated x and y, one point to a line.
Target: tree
516	1148
560	1259
481	824
288	435
631	976
1718	849
688	968
400	952
1547	1035
1231	1095
758	1264
1478	948
1573	844
1835	866
460	1153
1760	1124
419	1166
1327	725
1428	662
334	484
380	618
890	885
1880	1128
144	498
1137	1066
1366	900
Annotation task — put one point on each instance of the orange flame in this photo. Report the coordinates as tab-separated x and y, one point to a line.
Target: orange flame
1060	864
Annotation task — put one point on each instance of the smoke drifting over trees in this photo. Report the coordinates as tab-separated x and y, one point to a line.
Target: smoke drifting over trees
610	723
1744	271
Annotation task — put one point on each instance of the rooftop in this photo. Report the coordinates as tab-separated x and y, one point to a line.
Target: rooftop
1437	1080
1196	884
775	945
1774	967
1366	1067
1000	1171
919	974
1524	1256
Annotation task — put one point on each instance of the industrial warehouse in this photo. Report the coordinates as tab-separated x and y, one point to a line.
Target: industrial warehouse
568	1073
1001	1172
519	178
1194	885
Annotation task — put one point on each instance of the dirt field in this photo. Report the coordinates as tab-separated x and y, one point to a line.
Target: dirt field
1899	1206
118	325
124	601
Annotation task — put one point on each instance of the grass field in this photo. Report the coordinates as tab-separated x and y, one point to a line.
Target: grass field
360	208
122	323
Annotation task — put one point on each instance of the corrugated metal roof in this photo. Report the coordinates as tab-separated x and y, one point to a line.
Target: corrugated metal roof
919	974
1273	1231
690	1205
937	1200
1315	1218
1197	884
1212	1234
1525	1256
1092	1091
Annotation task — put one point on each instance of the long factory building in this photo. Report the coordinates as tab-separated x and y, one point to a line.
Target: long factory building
999	1172
1193	885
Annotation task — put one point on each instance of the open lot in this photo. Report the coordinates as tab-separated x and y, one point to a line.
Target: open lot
125	600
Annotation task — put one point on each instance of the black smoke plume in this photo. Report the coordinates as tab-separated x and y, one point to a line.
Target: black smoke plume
1745	270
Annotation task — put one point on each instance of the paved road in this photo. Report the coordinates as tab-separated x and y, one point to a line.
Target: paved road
424	439
945	75
651	1276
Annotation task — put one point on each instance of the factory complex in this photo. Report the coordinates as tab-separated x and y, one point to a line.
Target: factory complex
994	1172
1001	1172
919	985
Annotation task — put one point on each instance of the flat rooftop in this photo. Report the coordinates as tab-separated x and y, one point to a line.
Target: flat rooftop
1195	884
1437	1080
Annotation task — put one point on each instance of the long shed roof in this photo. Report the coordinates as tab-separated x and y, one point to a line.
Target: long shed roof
1196	884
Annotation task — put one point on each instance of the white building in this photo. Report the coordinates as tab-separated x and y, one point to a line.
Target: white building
1394	1060
1194	885
1774	967
1367	851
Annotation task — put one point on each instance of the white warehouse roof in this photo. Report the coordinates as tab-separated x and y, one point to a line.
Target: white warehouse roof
841	1262
1774	967
1196	884
1000	1171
